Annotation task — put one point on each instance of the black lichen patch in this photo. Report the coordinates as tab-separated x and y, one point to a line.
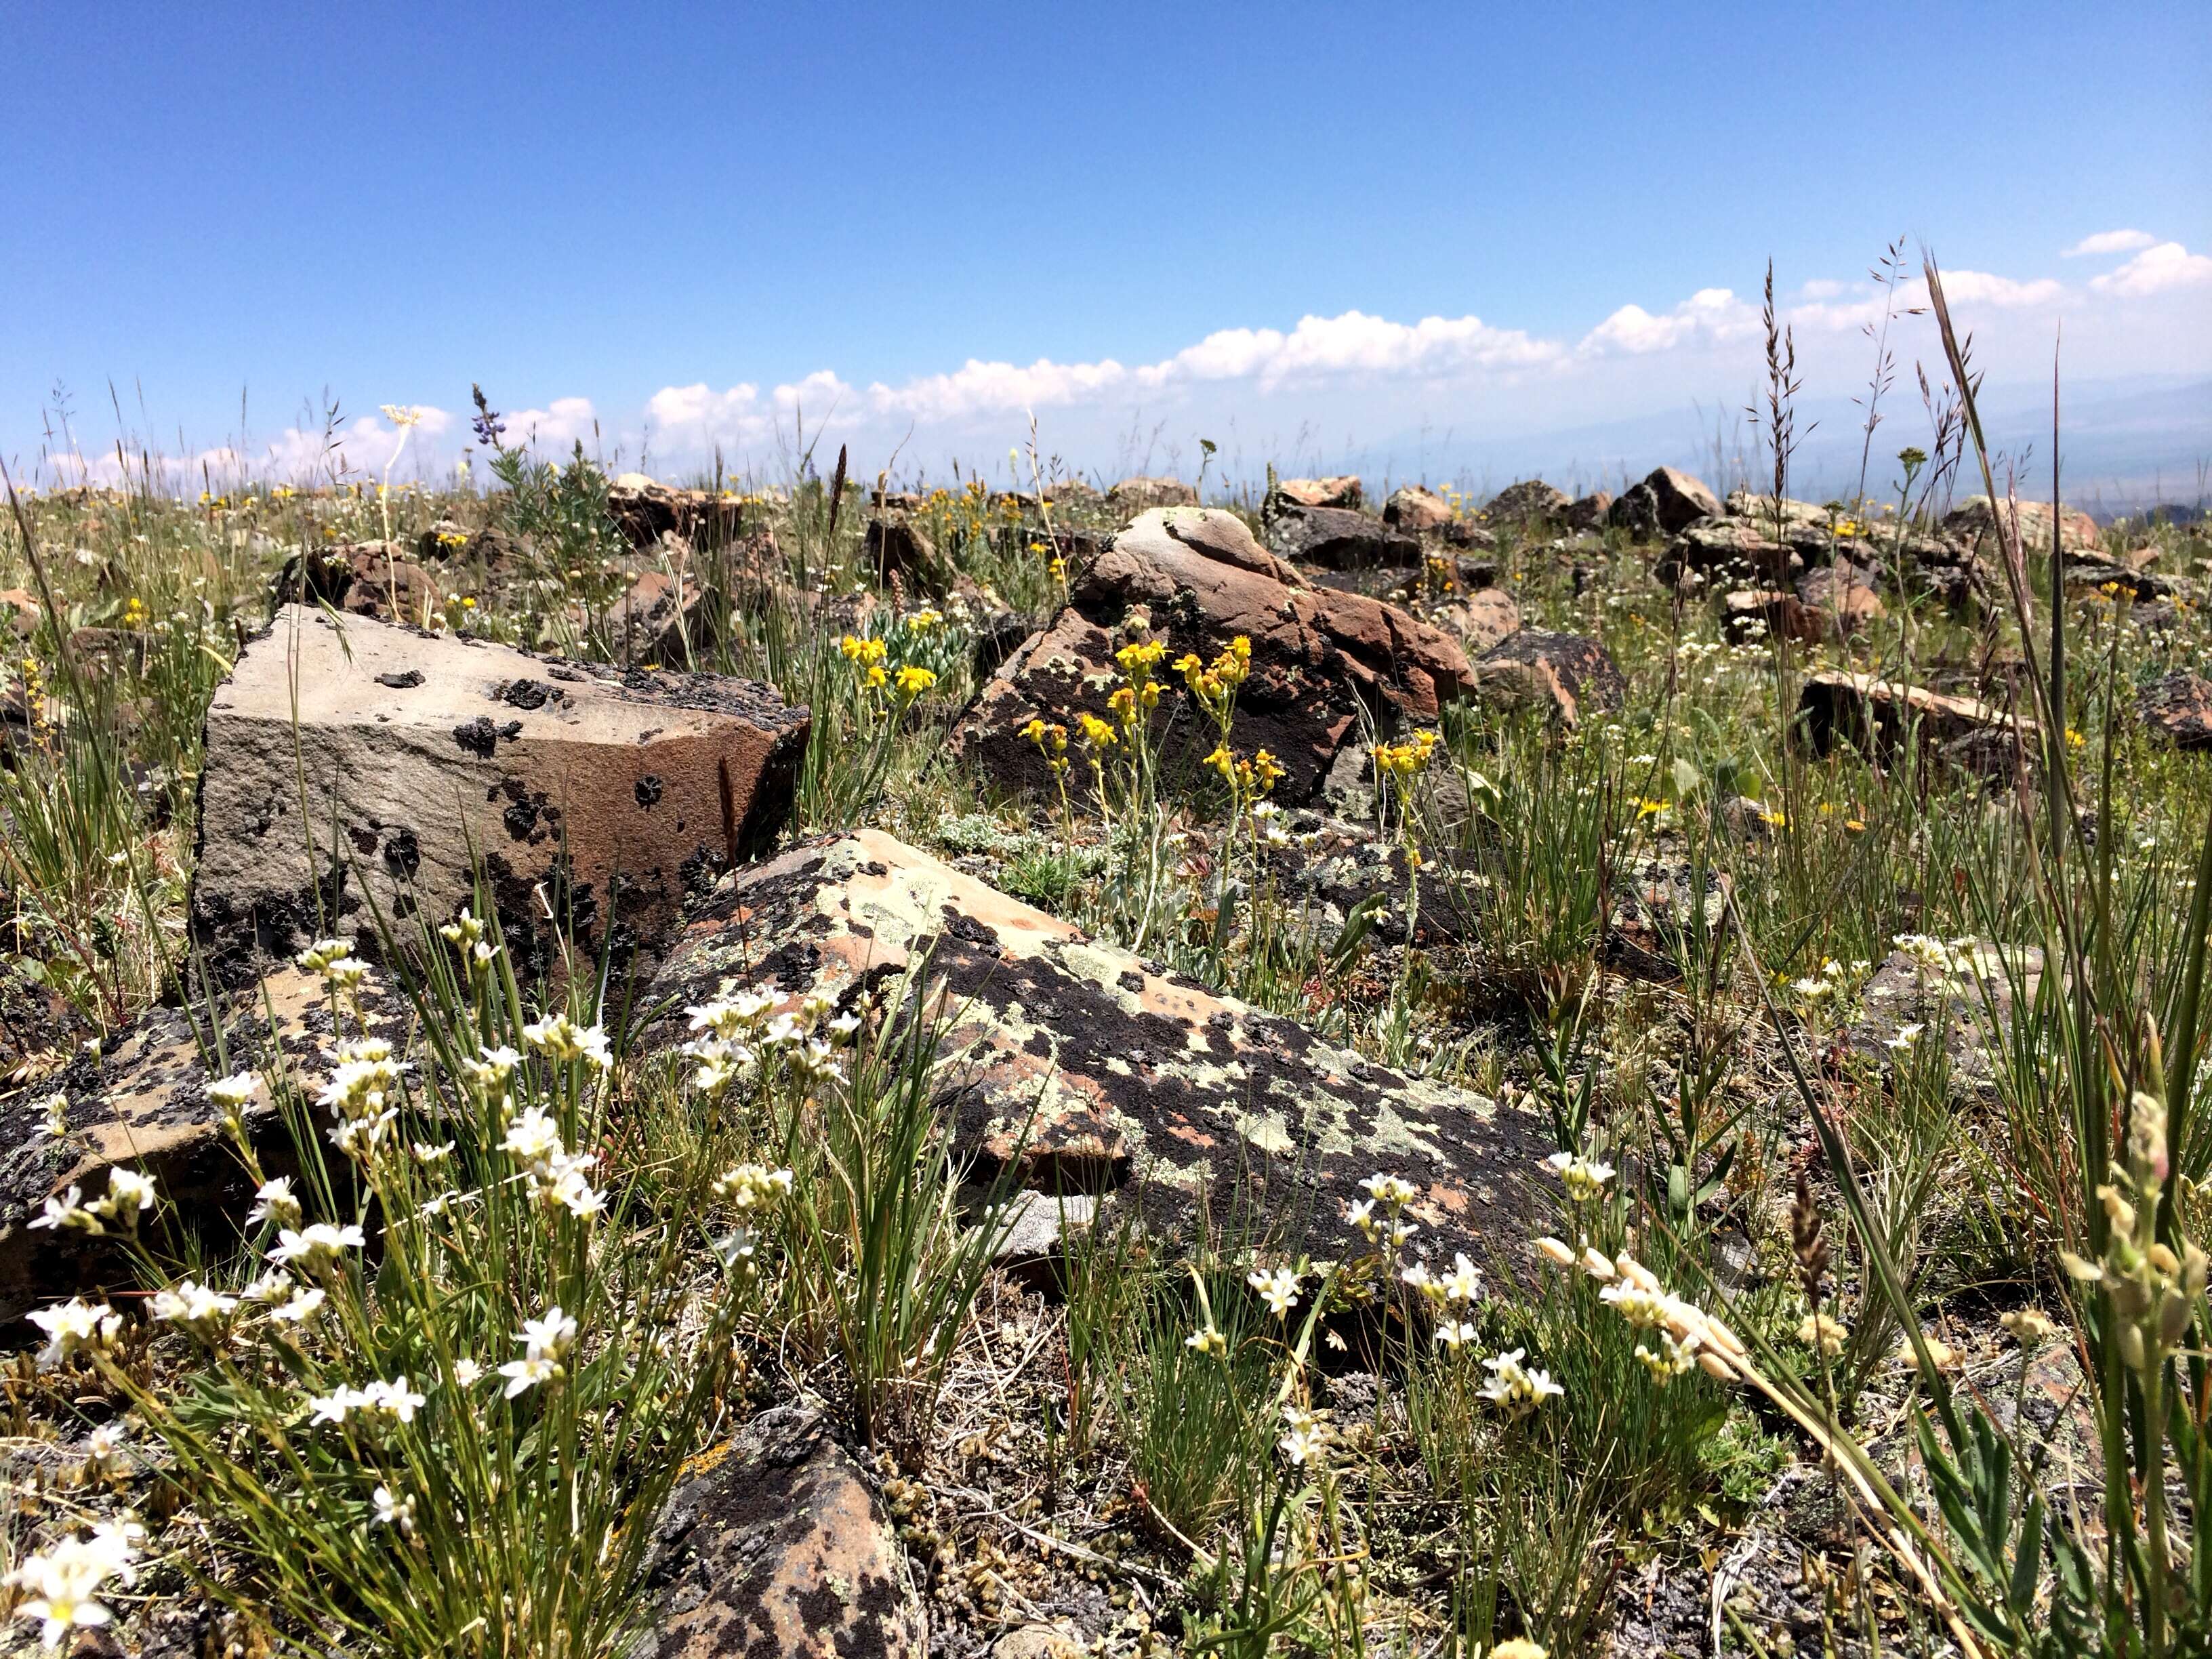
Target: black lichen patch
479	737
527	694
648	790
406	681
403	853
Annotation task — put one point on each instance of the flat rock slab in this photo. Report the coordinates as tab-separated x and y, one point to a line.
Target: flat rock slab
143	1104
1099	1073
1195	578
419	756
777	1544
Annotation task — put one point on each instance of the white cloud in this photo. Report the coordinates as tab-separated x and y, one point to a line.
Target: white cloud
2110	242
1822	287
2157	269
564	421
1979	288
1712	316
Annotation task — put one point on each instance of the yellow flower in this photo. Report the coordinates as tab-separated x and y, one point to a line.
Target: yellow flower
1123	702
872	676
1224	763
862	654
922	621
1095	733
913	681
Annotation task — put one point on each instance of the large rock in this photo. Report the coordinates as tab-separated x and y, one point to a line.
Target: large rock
1588	512
777	1544
1958	994
1975	524
1415	509
2178	709
1141	495
1482	620
424	755
141	1103
376	580
647	511
1341	491
1667	501
1531	501
1843	598
1566	675
1875	715
1337	539
899	550
1725	549
1084	1069
1195	578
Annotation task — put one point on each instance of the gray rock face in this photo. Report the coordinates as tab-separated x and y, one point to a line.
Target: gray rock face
1727	550
1589	512
1089	1071
1531	501
1337	539
1567	675
1141	495
1415	509
1667	501
421	756
778	1546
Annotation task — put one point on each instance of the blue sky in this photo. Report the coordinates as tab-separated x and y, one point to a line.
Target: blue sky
675	219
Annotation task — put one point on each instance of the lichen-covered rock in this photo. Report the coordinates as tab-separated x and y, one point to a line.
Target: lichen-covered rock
1101	1073
1566	675
1587	512
1195	578
1960	994
1974	523
142	1103
1666	503
428	755
775	1544
1482	620
899	550
2178	709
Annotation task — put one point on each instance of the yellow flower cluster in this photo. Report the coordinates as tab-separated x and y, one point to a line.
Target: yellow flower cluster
867	657
1407	760
1249	778
1097	734
1051	740
1214	684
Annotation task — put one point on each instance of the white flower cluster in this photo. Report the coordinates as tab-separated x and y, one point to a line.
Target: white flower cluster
559	1037
736	1031
1388	1227
63	1584
377	1404
76	1327
545	1342
1584	1178
1688	1335
555	1176
1453	1295
129	1196
466	933
1517	1389
364	1077
333	958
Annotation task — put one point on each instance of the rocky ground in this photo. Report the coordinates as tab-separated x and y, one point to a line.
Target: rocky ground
1526	766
